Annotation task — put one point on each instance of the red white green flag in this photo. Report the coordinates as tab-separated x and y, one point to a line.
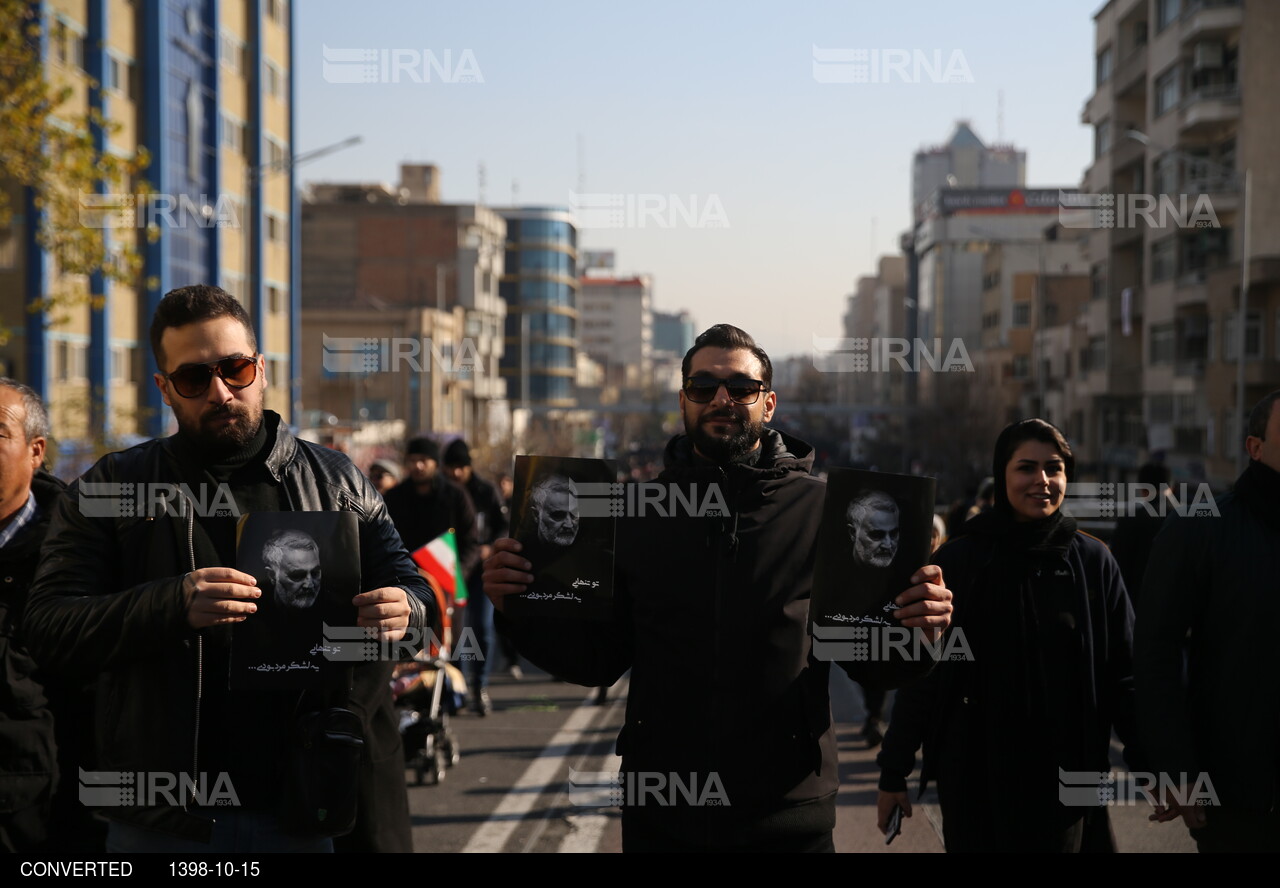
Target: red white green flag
439	558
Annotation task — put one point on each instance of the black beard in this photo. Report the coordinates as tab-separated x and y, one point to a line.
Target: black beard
728	448
226	441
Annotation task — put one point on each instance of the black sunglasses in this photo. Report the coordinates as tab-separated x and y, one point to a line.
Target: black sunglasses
192	380
741	389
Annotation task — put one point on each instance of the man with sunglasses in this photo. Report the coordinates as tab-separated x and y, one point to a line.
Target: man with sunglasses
711	617
150	600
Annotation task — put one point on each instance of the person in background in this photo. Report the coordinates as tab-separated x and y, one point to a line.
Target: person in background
491	524
385	474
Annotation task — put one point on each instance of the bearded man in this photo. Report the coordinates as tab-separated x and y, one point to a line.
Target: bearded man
717	606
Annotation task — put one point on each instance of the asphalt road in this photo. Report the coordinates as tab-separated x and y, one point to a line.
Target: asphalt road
511	790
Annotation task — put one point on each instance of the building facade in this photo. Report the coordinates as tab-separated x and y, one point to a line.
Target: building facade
540	288
1185	102
206	88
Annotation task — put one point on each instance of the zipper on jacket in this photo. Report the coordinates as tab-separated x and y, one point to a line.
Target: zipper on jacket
195	749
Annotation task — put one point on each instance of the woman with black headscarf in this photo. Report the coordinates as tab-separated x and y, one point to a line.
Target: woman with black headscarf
1044	613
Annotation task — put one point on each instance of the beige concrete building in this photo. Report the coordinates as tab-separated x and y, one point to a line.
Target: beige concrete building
396	266
1185	103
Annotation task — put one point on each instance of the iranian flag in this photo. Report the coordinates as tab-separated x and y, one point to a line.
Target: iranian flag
439	558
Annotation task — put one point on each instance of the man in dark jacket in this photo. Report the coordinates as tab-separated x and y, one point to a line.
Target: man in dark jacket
147	599
28	758
491	524
711	617
1204	664
426	504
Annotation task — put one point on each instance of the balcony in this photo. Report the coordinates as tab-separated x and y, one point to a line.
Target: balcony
1210	106
1131	74
1126	151
1210	18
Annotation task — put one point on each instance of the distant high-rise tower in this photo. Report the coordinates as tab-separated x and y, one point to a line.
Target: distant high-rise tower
970	162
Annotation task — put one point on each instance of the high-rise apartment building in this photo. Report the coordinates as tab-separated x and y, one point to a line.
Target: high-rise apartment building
206	88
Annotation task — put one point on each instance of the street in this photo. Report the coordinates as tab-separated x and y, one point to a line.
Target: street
510	791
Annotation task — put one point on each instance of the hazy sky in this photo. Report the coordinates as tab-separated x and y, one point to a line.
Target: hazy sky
713	110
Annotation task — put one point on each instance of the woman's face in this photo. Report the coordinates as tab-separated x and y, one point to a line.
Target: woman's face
1035	480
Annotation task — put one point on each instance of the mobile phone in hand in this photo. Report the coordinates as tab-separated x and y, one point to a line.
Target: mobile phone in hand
895	824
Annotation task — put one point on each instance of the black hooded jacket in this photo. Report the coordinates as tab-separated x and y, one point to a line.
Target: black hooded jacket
712	619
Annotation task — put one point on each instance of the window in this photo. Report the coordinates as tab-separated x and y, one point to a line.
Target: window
1160	408
1103	69
1167	91
1252	337
1097	353
233	53
277	11
233	134
1167	13
116	78
1021	366
1102	138
1166	174
1098	281
1021	314
1164	259
275	84
8	248
70	361
68	45
275	227
276	154
275	299
1051	316
121	364
1161	351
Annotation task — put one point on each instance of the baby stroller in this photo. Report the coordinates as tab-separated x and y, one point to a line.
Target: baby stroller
427	691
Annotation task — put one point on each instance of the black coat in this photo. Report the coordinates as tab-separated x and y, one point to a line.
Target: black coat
28	758
1211	703
712	619
107	596
420	519
963	734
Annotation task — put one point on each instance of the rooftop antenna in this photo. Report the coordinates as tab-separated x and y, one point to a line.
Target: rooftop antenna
582	164
515	193
480	183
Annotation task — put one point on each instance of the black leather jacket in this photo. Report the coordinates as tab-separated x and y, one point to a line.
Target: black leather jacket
107	597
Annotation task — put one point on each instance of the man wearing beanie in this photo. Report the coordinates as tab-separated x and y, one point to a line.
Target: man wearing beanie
1209	707
426	504
491	524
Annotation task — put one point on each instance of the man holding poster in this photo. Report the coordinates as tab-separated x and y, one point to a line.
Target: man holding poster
712	618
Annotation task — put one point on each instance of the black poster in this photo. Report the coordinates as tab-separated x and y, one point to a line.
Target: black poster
308	567
875	533
563	514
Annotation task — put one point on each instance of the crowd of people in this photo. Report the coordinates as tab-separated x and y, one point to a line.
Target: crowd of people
127	619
